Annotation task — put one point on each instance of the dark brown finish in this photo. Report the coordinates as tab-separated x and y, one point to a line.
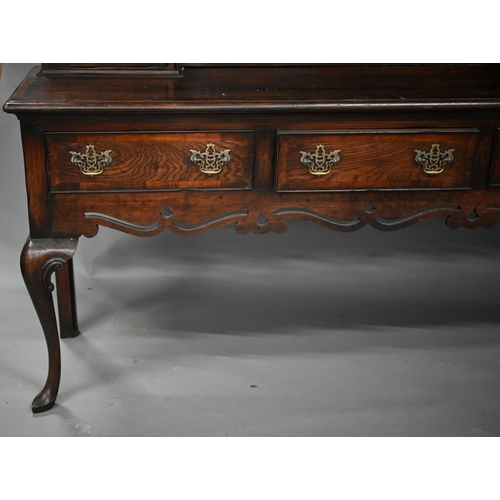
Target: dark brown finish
152	117
39	260
150	161
66	299
269	89
110	70
495	168
376	159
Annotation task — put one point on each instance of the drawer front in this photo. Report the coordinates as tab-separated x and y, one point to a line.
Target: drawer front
150	161
375	160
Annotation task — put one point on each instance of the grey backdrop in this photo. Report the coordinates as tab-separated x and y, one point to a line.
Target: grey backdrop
310	333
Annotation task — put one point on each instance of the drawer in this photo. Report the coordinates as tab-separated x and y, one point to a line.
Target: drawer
150	161
377	159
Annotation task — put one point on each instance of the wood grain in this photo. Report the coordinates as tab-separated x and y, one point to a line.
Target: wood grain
375	160
376	115
150	161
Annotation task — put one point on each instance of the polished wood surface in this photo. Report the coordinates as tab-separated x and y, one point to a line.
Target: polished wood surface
265	118
375	159
39	260
272	88
151	161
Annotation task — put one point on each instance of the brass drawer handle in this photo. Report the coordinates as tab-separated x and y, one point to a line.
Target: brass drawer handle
210	161
320	162
90	162
434	161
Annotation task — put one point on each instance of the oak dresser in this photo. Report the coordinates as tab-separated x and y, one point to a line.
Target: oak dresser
189	147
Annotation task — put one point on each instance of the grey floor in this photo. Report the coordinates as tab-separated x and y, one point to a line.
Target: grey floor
310	333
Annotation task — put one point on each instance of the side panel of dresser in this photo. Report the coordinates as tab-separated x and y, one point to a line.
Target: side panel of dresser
36	180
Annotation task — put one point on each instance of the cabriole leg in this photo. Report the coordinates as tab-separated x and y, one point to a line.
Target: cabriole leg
40	258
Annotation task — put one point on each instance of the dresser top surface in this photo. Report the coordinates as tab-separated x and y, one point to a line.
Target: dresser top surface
261	88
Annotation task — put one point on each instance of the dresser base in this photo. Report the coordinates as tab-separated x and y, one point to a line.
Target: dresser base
191	148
